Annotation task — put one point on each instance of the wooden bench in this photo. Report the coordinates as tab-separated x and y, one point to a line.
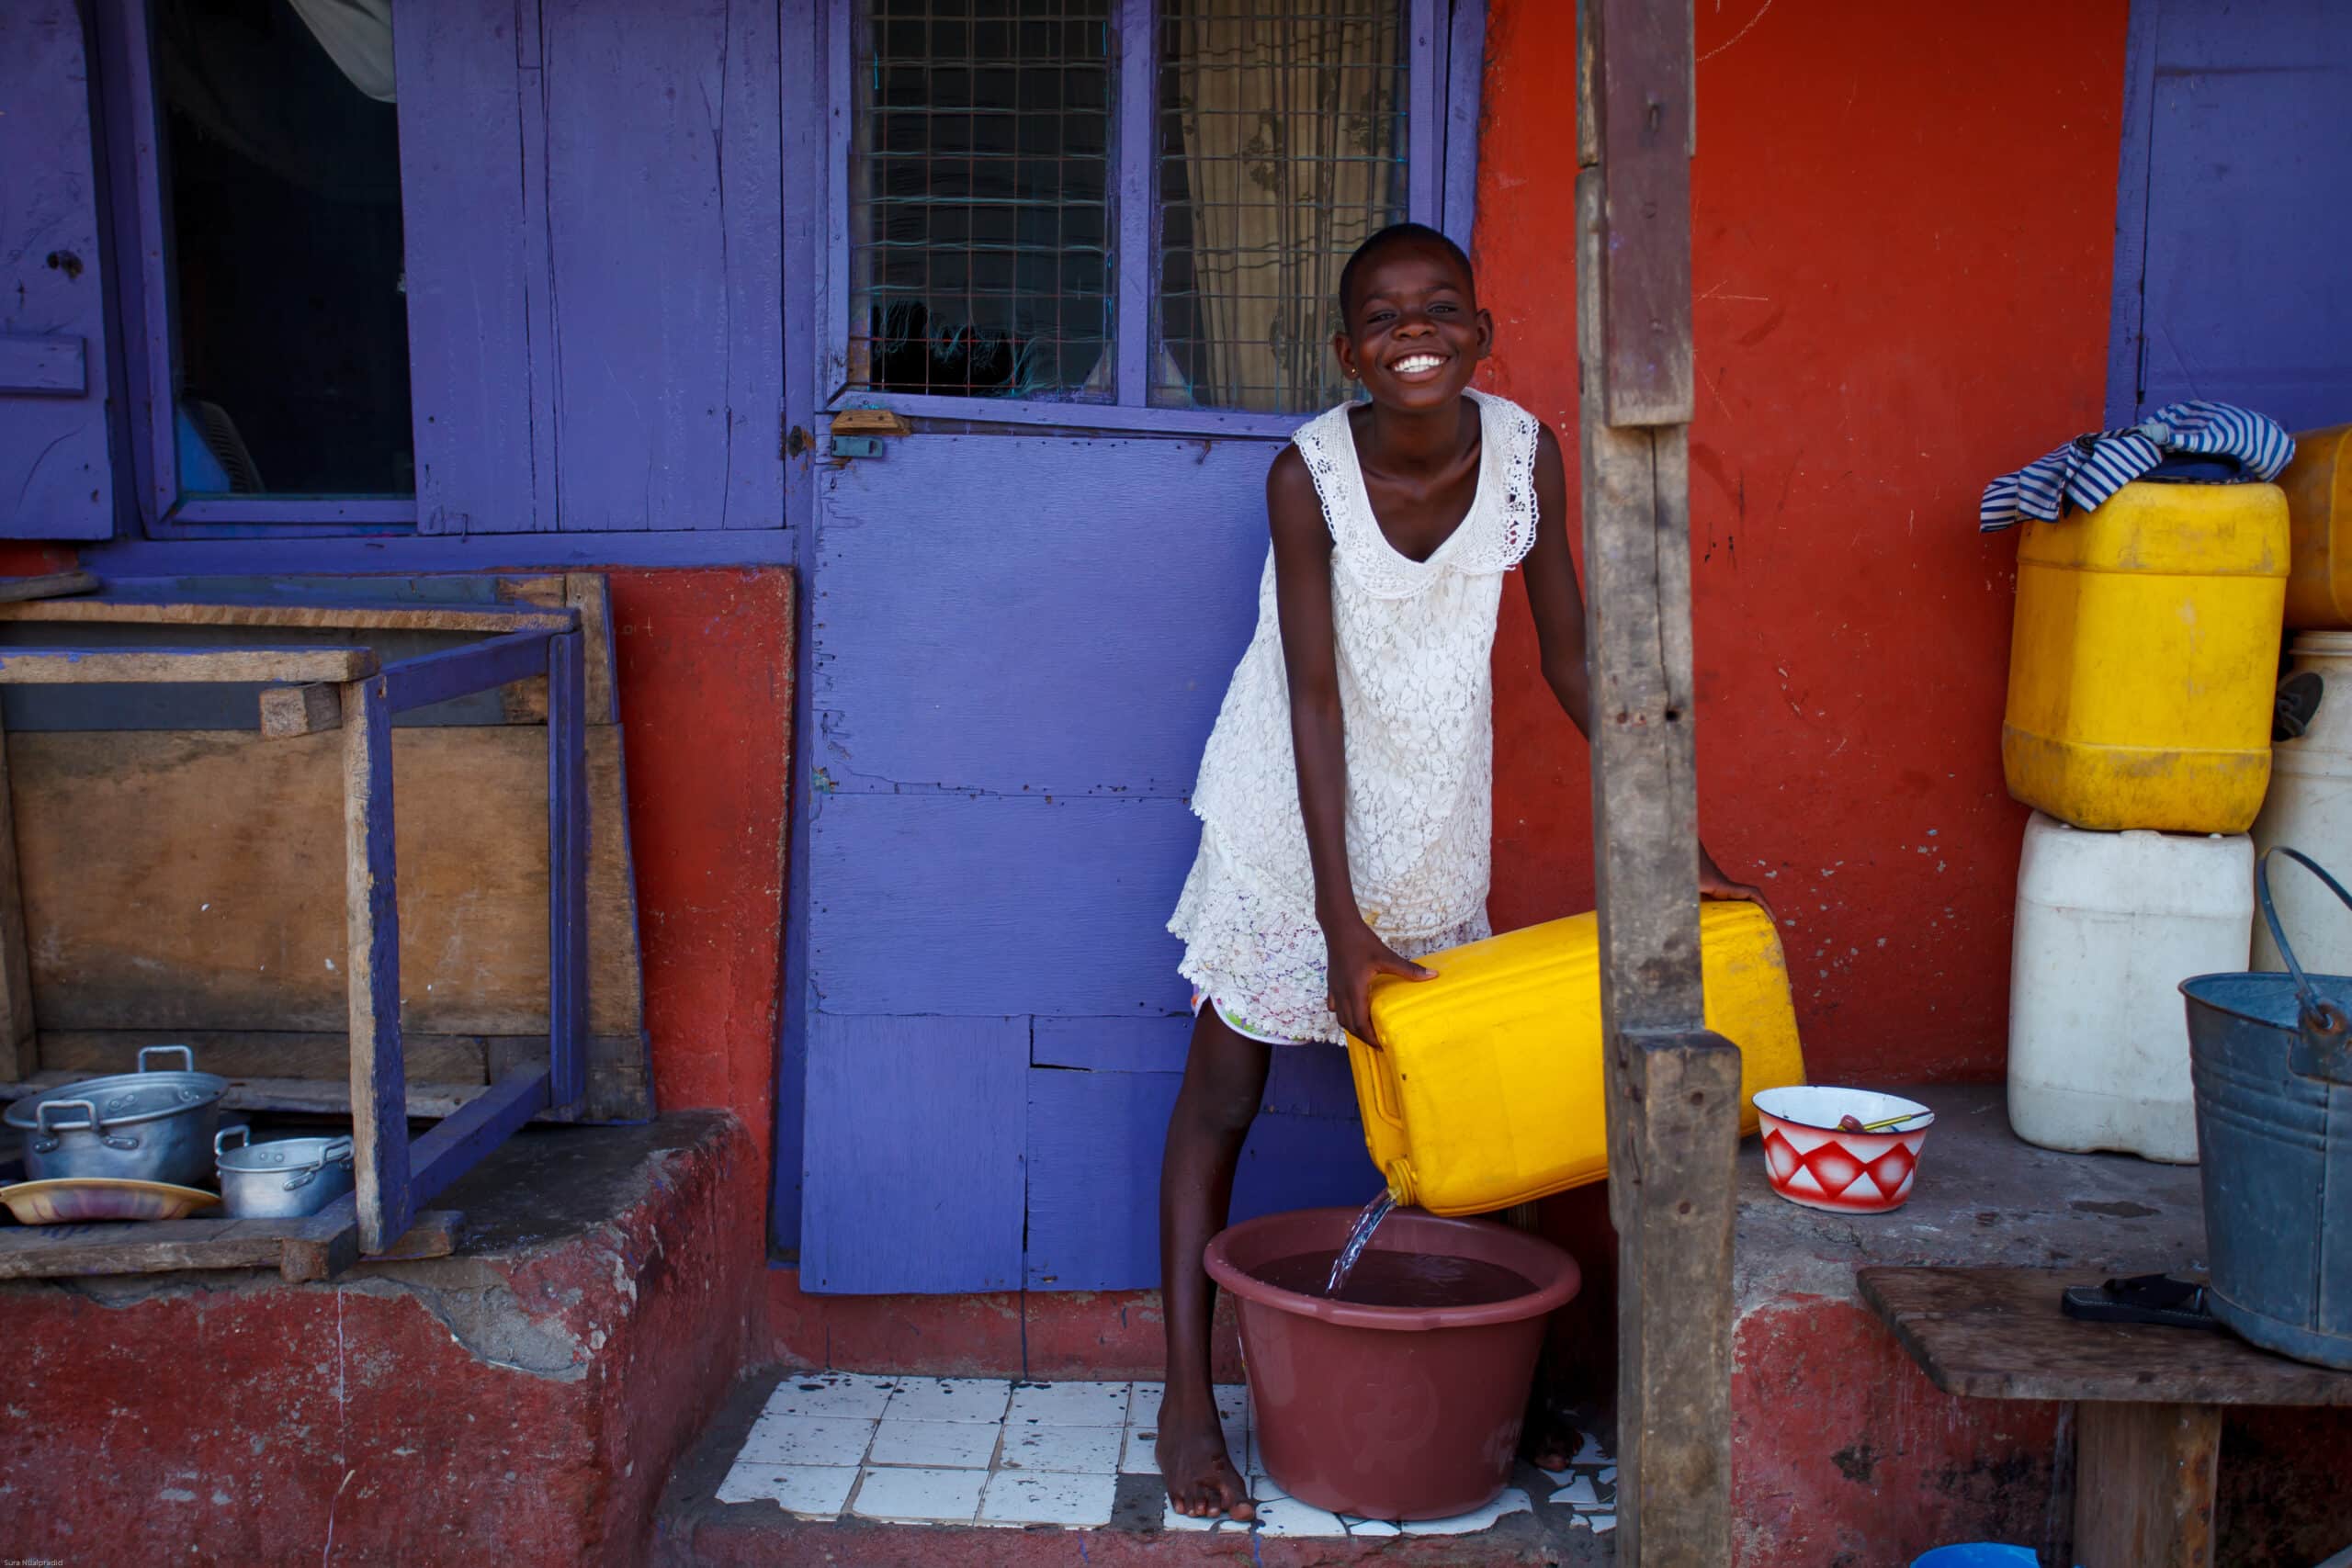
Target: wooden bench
2145	1403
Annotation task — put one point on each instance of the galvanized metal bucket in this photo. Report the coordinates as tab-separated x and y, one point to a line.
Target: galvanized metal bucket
2271	1058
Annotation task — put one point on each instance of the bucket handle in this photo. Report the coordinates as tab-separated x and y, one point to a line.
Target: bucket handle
2322	1047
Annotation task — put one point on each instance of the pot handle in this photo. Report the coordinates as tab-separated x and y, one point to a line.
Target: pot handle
336	1152
2322	1047
187	1058
220	1140
45	1132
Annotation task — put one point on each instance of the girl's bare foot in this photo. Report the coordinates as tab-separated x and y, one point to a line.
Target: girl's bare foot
1201	1482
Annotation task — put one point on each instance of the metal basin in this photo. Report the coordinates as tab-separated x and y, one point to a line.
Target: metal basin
284	1178
150	1125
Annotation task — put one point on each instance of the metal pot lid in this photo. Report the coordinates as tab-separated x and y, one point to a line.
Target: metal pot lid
283	1154
125	1098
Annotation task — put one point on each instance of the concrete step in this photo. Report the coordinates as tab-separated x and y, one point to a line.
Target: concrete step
826	1468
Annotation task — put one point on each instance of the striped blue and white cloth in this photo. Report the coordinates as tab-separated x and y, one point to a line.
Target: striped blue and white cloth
2089	468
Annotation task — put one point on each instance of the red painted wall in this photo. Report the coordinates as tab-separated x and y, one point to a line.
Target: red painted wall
705	666
1902	267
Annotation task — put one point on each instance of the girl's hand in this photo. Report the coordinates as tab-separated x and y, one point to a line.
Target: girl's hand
1355	954
1713	884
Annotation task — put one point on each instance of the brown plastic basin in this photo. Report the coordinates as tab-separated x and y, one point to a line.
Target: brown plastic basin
1389	1413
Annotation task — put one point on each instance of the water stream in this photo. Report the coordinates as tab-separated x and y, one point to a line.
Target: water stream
1358	1239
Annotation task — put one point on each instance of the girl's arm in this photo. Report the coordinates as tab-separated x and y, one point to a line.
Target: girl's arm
1552	593
1310	662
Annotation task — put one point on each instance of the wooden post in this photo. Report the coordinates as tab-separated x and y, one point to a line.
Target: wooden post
567	682
372	957
19	1051
1673	1088
2144	1485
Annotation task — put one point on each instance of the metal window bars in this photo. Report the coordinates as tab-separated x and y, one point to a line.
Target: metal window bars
989	252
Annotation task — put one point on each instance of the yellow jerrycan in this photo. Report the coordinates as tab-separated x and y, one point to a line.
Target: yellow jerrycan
2318	485
1487	1088
2144	663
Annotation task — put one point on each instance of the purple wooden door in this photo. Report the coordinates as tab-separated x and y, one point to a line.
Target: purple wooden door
2235	218
56	468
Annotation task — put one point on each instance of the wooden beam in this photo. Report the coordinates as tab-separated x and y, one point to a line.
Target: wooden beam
1639	112
288	713
461	671
567	872
2145	1485
488	619
327	1244
1673	1088
372	963
307	1097
588	592
173	666
299	1248
458	1143
19	1048
16	589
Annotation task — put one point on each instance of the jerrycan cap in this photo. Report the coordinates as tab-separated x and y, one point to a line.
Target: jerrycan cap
1400	1181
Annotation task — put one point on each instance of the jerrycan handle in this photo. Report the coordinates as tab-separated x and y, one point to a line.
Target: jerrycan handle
2322	1047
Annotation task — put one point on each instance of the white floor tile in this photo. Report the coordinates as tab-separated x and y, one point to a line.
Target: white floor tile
1590	1452
1135	1457
1068	1451
1069	1404
1079	1501
831	1394
1370	1527
1142	1404
1264	1486
806	1439
816	1491
950	1399
1601	1523
920	1497
1608	1477
938	1445
1232	1403
1513	1501
1288	1516
1578	1493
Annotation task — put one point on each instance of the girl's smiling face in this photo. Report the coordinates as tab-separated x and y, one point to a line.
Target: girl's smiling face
1414	333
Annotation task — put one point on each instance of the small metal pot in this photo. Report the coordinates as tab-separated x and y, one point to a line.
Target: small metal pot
150	1125
282	1179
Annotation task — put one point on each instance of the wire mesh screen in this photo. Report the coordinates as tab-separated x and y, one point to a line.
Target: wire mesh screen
1282	147
980	252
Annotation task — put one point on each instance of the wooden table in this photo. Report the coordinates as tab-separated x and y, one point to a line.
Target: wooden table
2145	1400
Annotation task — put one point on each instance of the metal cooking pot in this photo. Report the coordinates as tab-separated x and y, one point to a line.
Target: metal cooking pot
150	1125
282	1179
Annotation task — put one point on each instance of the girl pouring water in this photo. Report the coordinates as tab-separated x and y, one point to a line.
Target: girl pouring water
1347	792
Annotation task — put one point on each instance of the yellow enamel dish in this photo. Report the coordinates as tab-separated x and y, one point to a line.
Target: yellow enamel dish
1487	1090
91	1200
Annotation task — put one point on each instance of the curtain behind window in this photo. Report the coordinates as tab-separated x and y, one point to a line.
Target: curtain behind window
1282	144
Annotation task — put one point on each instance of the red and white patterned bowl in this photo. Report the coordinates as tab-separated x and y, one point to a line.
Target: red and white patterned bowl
1812	1163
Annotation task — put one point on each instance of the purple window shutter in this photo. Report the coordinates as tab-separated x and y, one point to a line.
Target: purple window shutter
56	472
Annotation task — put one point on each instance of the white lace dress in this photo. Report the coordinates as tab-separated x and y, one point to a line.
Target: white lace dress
1415	688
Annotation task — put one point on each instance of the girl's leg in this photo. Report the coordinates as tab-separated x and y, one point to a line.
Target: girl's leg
1225	1077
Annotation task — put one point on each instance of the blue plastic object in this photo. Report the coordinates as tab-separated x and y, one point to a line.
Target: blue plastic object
2270	1056
1978	1554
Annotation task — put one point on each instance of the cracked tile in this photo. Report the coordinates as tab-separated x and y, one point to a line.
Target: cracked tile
920	1497
813	1491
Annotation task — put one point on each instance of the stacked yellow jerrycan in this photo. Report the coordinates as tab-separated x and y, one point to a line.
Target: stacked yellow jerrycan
2318	487
2145	658
1487	1089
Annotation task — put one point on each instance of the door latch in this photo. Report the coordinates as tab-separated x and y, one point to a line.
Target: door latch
858	433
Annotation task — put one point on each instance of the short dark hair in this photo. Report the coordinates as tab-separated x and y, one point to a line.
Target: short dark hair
1397	234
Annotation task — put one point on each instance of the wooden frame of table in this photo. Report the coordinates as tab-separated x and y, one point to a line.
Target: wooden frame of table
2144	1402
321	689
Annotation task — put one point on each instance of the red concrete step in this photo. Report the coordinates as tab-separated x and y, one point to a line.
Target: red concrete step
695	1528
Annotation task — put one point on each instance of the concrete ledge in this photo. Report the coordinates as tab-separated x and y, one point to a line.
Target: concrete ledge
1845	1455
522	1400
